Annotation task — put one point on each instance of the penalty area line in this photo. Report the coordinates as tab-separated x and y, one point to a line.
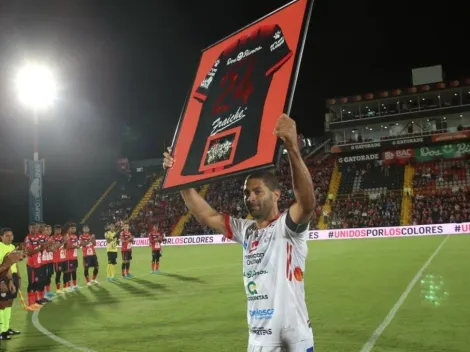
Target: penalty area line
44	331
388	319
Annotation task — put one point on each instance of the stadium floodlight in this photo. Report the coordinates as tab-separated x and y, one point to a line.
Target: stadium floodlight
36	86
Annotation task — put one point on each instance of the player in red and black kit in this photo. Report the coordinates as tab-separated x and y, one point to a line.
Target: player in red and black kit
33	249
156	239
72	246
126	239
90	260
44	241
60	258
48	261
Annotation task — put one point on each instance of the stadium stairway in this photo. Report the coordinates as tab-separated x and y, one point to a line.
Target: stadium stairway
406	201
179	226
143	201
98	202
333	191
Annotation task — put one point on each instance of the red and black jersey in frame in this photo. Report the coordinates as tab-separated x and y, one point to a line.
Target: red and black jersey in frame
233	94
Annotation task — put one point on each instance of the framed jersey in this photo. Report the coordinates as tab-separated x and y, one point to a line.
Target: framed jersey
242	85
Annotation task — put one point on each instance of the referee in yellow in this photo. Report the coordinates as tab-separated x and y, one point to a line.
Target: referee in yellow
111	248
13	285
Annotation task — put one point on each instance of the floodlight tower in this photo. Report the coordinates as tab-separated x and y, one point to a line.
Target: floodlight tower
37	89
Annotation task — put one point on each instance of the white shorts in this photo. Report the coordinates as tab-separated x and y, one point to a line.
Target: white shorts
301	346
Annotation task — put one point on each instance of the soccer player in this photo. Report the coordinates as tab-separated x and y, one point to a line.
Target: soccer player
13	284
72	256
42	260
126	239
111	250
155	240
90	260
274	248
47	261
60	259
33	249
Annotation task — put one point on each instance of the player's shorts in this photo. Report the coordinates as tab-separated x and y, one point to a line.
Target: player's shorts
35	275
156	256
301	346
48	269
72	264
126	255
61	267
90	261
112	258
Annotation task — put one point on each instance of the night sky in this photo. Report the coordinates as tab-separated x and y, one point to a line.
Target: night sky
125	68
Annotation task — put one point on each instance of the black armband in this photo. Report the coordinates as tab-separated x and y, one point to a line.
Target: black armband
291	225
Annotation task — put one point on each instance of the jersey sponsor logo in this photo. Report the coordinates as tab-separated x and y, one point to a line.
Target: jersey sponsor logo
221	124
207	82
243	54
253	293
291	271
252	273
262	314
255	258
261	331
254	246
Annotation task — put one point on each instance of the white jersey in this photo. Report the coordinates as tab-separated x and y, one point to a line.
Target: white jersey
273	268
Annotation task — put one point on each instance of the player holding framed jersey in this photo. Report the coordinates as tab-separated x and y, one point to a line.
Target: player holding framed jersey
111	237
72	246
274	249
90	260
60	259
233	95
155	241
126	238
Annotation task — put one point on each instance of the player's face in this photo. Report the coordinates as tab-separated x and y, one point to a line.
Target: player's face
86	229
48	231
7	237
155	228
73	230
57	231
126	227
33	229
259	199
41	228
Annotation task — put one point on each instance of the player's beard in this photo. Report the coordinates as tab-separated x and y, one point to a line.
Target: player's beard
261	209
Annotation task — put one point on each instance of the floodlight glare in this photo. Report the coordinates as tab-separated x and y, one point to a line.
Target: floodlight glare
36	86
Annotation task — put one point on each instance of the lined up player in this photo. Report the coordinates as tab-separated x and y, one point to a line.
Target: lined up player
72	246
126	238
33	249
111	237
13	284
155	240
60	259
90	260
48	261
43	240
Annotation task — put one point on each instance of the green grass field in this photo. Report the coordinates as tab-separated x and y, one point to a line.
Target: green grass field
200	304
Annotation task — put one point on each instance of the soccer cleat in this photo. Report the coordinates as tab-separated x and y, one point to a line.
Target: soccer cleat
89	283
13	332
95	282
129	276
5	336
59	292
69	289
50	294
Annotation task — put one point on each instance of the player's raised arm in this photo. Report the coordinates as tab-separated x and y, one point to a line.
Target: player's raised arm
197	205
301	211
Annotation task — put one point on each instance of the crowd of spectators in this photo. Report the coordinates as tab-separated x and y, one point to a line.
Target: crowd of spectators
444	206
365	211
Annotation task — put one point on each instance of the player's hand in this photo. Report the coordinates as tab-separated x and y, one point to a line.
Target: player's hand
13	258
3	288
168	161
11	287
286	130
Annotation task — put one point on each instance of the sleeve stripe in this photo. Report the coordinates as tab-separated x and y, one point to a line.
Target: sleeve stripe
229	233
279	64
199	96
